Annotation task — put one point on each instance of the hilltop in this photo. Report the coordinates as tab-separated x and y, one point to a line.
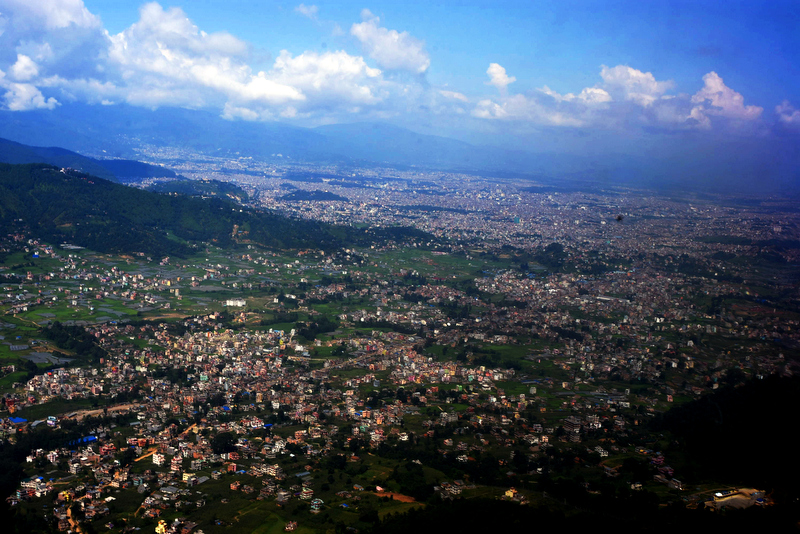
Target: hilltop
109	169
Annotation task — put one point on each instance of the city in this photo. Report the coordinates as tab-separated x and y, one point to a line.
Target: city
527	326
379	268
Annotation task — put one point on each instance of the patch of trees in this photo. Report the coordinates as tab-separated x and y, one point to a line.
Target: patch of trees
321	325
74	339
175	375
491	358
567	333
396	327
223	442
281	317
553	256
200	188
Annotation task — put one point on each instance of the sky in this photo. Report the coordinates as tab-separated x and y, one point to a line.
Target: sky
627	77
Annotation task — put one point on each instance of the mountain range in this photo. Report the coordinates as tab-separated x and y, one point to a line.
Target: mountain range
123	132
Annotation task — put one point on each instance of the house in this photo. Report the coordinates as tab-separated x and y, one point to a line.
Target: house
316	506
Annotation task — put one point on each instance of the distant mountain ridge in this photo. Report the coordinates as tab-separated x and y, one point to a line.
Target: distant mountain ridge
112	169
124	131
120	130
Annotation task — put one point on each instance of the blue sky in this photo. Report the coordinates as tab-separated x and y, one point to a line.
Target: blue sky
622	76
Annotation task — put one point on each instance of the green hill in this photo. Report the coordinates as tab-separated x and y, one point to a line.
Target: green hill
67	206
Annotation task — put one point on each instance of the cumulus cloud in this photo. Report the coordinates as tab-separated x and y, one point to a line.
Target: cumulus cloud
170	35
498	77
715	98
24	96
391	49
166	60
307	11
57	51
52	14
57	35
329	77
589	96
85	89
24	69
544	106
788	114
626	97
634	85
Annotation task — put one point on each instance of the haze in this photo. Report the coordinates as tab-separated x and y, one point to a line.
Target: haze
677	93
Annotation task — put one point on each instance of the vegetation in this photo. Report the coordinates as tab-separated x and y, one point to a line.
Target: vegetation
201	188
66	206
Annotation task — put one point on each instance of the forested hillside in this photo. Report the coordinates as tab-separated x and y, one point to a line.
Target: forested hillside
67	206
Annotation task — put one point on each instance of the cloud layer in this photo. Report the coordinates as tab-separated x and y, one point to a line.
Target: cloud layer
164	59
56	52
626	96
389	48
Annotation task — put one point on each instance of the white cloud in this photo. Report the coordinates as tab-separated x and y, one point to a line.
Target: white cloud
391	49
24	69
454	95
57	51
522	108
307	11
51	14
57	34
86	89
498	77
486	109
626	97
588	96
25	97
330	76
701	119
164	59
634	85
232	112
164	33
788	114
715	98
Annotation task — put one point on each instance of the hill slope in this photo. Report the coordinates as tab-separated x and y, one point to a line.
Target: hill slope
69	206
17	153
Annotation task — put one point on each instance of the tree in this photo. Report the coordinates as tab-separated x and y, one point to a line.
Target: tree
223	442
